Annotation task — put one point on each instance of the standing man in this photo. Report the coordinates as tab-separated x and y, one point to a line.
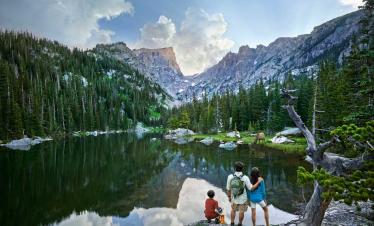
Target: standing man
236	191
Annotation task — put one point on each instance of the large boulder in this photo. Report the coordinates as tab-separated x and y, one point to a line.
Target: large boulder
207	141
233	134
176	133
294	131
281	140
228	146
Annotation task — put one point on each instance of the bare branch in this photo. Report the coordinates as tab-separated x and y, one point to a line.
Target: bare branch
298	121
323	147
340	166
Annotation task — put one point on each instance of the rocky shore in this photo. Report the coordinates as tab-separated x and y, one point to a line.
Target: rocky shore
338	214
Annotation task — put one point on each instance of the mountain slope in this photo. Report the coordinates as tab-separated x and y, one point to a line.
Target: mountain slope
159	65
330	40
46	88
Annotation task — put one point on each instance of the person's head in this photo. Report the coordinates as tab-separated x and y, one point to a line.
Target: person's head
210	194
255	174
238	166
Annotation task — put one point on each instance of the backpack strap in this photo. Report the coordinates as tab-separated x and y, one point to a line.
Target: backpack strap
240	177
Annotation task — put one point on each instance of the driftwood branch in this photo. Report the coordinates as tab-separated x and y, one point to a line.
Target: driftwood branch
298	121
317	155
335	164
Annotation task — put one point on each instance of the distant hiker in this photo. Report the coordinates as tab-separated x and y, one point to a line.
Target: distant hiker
259	137
211	208
236	184
258	196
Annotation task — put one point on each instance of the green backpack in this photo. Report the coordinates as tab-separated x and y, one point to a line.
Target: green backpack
237	185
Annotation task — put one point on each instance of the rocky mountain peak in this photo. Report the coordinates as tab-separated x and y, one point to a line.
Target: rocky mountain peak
300	54
244	50
159	57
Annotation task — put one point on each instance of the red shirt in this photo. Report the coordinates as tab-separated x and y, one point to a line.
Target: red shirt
210	206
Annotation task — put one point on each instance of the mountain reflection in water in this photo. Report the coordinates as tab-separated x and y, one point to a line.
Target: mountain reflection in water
128	180
189	209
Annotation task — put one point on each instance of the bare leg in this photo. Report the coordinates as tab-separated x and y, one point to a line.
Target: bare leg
266	213
241	217
253	216
232	215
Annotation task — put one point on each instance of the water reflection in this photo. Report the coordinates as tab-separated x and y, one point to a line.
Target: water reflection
119	175
189	209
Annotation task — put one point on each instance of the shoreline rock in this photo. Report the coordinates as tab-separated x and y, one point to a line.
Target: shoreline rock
95	133
233	134
281	140
24	144
207	141
180	132
289	131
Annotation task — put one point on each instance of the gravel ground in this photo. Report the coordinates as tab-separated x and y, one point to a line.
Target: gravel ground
343	215
338	214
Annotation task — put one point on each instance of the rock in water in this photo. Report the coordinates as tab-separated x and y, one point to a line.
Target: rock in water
183	140
21	142
207	141
25	143
228	146
281	140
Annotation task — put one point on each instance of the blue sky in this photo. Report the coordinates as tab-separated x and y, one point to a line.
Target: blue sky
200	31
250	22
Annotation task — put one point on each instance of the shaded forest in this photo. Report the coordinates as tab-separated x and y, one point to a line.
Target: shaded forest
47	88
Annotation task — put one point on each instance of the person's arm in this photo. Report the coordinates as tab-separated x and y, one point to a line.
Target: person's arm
254	186
228	187
263	190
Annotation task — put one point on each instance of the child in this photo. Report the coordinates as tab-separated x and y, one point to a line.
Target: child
258	196
210	207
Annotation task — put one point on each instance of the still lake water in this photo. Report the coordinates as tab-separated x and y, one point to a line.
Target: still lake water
124	180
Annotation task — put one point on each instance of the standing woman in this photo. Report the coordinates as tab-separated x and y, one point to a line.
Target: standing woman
258	196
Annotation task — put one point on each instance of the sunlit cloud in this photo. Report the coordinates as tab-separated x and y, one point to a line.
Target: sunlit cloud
73	22
199	43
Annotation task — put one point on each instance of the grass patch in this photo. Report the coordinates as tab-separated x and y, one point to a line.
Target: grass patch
295	148
153	114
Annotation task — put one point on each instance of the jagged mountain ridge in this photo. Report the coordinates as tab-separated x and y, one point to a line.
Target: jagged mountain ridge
296	54
160	65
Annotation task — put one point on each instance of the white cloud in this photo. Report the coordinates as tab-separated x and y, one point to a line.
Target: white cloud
353	3
159	34
199	43
73	22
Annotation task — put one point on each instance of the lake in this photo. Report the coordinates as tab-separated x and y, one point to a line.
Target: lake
123	180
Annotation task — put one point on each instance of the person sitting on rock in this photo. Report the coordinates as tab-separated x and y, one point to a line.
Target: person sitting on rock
210	208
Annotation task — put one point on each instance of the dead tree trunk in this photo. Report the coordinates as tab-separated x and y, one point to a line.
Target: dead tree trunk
334	164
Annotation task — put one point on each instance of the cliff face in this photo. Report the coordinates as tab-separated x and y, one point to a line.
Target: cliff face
164	57
160	65
297	54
